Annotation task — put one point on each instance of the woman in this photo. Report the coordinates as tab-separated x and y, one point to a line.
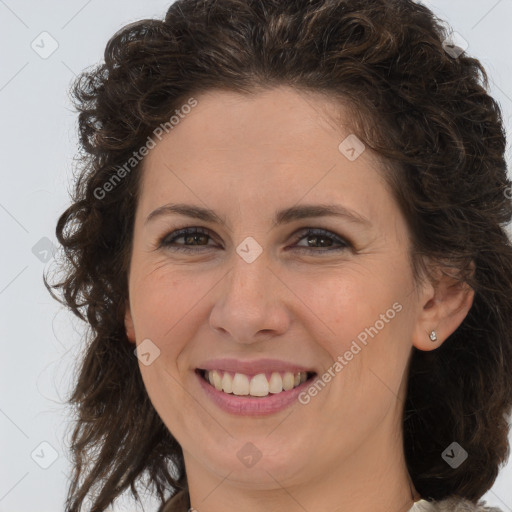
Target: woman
230	362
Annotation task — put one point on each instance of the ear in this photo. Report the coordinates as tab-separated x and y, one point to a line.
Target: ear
444	304
128	323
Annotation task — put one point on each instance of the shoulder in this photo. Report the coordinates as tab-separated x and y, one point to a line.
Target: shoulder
452	504
178	503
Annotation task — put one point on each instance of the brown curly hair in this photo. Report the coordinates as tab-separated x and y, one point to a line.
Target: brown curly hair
424	111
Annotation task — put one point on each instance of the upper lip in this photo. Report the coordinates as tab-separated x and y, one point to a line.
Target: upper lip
255	366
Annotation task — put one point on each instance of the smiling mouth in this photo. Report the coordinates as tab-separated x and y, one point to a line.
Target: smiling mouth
257	386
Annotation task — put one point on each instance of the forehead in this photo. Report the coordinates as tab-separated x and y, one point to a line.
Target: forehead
278	146
281	117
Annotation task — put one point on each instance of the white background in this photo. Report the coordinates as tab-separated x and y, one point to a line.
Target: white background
39	339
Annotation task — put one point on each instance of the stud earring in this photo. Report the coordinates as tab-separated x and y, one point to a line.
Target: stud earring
433	336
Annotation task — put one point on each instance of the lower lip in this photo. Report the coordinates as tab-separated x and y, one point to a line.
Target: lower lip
256	406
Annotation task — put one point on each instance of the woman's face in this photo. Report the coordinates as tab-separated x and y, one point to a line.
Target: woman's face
253	296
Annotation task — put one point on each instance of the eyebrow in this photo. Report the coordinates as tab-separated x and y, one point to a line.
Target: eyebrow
281	216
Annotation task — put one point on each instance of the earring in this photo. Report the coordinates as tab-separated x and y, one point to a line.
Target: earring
433	336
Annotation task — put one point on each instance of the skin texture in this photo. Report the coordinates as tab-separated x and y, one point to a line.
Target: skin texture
245	157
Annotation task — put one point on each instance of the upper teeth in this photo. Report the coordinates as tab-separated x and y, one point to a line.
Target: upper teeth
258	385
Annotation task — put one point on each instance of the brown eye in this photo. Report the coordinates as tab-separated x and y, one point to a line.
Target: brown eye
323	238
192	236
318	240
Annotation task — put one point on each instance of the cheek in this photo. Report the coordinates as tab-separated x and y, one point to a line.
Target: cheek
344	305
362	324
162	301
165	306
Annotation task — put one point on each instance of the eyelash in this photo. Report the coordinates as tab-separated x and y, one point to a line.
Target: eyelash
166	242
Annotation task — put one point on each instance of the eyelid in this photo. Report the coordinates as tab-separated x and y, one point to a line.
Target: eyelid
344	243
303	232
173	234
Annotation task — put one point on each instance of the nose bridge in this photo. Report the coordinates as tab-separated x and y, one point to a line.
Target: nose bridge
249	264
248	302
248	276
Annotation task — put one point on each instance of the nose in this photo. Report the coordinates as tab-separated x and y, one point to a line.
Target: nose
251	302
